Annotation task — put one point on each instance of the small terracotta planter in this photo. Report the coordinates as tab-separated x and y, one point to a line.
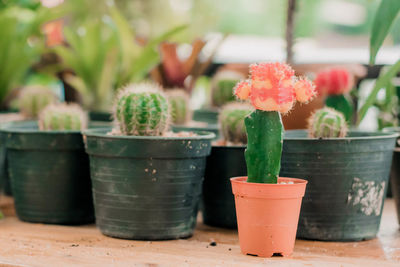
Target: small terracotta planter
267	215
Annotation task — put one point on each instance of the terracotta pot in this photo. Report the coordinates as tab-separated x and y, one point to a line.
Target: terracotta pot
267	215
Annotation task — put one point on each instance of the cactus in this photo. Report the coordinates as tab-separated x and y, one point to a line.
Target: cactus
59	117
231	120
272	88
222	87
142	109
327	123
179	106
33	99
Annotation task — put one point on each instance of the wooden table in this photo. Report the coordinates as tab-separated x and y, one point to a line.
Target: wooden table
26	244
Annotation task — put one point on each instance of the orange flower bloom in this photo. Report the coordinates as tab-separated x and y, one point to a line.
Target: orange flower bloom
272	87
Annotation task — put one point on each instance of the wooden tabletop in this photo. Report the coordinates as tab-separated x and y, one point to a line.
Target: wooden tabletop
27	244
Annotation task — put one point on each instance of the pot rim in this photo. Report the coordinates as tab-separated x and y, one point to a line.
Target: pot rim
102	132
369	135
242	180
21	127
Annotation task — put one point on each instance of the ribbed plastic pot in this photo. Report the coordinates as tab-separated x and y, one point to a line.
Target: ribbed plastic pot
100	116
209	128
146	188
267	215
347	182
206	115
218	202
49	172
4	180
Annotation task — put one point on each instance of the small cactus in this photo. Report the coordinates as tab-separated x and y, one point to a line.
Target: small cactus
59	117
222	87
142	109
179	106
33	99
231	120
327	123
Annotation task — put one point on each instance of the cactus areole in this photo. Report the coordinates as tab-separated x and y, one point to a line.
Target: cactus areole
272	89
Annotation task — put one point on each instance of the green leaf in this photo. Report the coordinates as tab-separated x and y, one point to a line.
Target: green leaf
380	83
384	17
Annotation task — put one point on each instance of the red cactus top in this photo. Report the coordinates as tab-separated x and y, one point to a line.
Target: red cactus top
334	81
274	87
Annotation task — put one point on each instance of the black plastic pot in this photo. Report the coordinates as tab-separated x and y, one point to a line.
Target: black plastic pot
206	115
347	183
209	128
146	188
100	116
4	179
49	174
224	163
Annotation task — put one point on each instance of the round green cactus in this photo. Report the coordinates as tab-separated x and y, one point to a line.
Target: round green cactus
222	87
63	117
142	109
179	106
231	120
327	123
33	99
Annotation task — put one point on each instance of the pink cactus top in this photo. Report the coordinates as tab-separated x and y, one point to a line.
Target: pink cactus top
274	87
334	81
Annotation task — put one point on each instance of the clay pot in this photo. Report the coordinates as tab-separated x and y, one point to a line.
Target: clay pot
267	215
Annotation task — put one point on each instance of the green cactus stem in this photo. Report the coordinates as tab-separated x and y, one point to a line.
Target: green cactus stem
231	121
33	99
341	103
62	117
222	87
264	146
142	109
179	106
327	123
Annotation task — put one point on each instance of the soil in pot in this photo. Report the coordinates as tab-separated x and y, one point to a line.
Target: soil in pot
194	127
49	174
347	183
218	202
147	187
267	215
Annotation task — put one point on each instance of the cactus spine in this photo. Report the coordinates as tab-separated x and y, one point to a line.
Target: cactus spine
231	120
33	99
327	123
222	87
142	109
63	117
179	106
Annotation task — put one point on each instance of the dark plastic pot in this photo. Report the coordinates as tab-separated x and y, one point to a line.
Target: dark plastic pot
49	174
218	201
206	115
4	179
209	128
100	116
347	183
147	188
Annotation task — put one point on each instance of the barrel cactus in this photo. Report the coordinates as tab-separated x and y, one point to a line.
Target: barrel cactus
272	89
60	117
231	121
222	87
179	106
327	123
33	99
142	109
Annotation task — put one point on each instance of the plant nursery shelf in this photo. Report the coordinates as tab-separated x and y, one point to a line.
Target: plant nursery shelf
27	244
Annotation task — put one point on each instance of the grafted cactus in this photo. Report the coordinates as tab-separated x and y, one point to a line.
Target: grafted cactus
327	123
179	106
231	120
272	88
33	99
142	109
222	87
63	117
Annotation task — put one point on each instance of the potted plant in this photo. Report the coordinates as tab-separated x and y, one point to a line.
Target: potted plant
146	181
226	161
268	206
48	167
